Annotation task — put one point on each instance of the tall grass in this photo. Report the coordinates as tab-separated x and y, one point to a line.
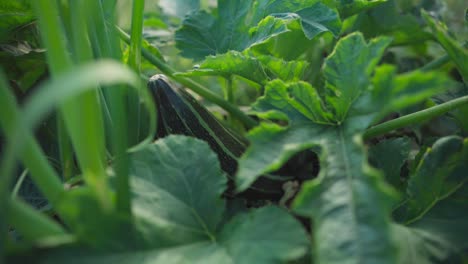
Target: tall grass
80	38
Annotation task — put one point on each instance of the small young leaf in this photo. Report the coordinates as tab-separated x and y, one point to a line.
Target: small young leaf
299	101
231	63
347	82
256	68
284	70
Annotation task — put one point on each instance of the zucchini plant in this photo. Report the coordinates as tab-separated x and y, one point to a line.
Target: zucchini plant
268	131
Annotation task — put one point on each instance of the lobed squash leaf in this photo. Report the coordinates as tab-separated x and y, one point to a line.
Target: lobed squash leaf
238	25
349	197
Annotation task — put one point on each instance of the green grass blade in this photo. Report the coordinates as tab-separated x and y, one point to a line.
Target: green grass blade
59	60
32	155
134	61
21	215
106	41
82	116
80	80
136	38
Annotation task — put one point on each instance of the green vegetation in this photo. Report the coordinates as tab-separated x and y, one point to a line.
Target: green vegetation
317	131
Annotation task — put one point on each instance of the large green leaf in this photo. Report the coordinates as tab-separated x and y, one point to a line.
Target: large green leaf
275	241
173	198
298	100
238	25
349	197
300	103
440	173
437	237
177	216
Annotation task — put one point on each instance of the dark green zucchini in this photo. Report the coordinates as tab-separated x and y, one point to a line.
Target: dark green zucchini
180	113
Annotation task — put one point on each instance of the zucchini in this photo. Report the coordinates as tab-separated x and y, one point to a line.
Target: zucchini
180	113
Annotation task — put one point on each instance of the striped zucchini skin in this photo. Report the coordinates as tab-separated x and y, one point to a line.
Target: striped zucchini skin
180	113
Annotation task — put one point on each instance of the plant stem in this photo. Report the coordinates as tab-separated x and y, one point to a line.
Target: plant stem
414	118
435	64
65	148
229	92
109	46
229	96
192	85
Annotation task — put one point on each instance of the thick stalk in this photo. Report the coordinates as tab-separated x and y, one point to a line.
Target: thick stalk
415	118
